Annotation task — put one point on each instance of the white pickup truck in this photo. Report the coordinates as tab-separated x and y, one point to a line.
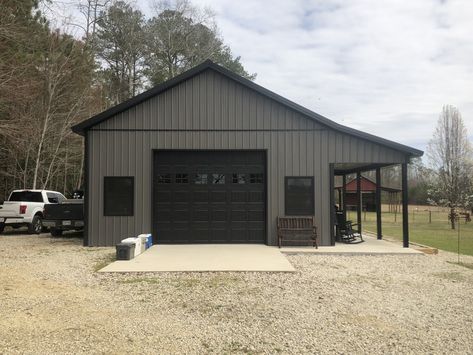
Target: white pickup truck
25	208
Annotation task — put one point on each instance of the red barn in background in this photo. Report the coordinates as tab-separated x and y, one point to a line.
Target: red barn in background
368	194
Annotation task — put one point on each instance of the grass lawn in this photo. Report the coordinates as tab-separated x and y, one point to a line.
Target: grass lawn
437	234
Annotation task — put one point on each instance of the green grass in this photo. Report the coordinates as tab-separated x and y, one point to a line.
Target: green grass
437	234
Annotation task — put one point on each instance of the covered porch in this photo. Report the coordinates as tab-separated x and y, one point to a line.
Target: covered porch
338	198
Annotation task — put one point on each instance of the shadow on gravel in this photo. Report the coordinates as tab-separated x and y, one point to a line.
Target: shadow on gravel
23	232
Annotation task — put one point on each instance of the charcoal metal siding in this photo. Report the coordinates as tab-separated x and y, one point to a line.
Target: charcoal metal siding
211	111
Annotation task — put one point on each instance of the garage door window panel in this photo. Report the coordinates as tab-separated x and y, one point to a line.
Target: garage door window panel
200	179
256	178
299	196
239	178
118	195
164	179
182	178
218	179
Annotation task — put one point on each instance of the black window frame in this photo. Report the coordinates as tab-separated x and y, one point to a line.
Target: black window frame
131	211
312	192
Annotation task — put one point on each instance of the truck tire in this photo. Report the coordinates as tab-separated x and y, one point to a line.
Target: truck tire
56	232
2	227
36	225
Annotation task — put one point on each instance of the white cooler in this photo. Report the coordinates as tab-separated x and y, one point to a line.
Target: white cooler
137	242
144	241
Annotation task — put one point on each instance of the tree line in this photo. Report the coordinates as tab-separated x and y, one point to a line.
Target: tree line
445	177
50	80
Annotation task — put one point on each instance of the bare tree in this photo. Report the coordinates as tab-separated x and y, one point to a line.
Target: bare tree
449	153
91	9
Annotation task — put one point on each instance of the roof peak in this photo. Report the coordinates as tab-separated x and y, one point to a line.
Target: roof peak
83	126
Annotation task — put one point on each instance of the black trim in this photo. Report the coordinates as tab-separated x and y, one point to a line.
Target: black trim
362	168
289	213
204	130
208	64
359	202
379	232
86	190
405	207
344	193
132	202
332	204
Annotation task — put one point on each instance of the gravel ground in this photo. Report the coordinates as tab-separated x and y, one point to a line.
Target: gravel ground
53	301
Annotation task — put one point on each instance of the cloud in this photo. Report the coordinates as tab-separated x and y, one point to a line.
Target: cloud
385	67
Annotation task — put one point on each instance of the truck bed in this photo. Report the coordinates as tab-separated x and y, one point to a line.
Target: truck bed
67	210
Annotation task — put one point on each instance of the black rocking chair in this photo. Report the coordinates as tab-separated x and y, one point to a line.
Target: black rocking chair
345	232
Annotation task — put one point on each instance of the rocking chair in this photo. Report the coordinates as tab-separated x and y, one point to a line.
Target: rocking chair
345	232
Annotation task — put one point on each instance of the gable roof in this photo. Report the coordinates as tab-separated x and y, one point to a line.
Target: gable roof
208	64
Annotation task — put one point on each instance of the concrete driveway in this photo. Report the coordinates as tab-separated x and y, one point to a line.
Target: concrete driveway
205	257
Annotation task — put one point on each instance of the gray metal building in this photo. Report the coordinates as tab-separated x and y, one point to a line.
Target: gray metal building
210	157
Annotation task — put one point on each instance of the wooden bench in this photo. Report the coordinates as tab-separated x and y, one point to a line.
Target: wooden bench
290	227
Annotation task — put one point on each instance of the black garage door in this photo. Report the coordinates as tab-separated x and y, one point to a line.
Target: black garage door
209	197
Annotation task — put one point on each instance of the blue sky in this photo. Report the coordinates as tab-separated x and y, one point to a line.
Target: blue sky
385	67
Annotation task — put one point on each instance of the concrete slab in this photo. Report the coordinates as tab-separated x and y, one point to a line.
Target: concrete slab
370	246
205	257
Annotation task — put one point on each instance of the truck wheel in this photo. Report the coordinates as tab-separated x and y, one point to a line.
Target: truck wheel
2	227
56	232
36	225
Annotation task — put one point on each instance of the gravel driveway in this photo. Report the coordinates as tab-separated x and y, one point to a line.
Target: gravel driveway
53	301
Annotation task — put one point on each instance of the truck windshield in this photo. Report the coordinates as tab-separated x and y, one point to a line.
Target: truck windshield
26	196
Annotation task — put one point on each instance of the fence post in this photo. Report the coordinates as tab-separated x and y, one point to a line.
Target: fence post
430	216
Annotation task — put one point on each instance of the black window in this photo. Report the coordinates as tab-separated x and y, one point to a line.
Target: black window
118	195
26	196
299	196
55	197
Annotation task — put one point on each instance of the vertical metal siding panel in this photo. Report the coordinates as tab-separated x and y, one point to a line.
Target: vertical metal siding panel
101	170
239	114
352	157
346	148
274	179
109	157
225	111
325	184
318	182
309	152
332	147
377	153
91	173
203	102
253	120
136	170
